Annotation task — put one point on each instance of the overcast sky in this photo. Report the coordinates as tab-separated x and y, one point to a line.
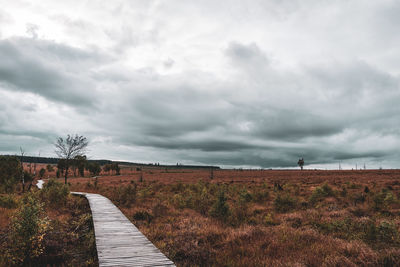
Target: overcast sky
232	83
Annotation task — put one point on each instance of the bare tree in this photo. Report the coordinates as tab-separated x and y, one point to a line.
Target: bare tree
301	163
69	148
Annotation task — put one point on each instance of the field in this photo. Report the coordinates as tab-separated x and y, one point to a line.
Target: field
46	228
261	217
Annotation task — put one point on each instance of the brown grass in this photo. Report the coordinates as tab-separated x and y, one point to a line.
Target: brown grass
70	240
340	228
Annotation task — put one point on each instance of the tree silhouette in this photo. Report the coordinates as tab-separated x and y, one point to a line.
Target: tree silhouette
69	148
301	163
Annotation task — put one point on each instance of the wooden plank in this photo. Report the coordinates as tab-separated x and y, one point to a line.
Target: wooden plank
118	241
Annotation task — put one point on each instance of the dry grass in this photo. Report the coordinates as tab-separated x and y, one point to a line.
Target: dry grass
330	222
69	241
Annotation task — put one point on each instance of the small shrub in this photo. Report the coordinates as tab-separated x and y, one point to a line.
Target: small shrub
358	198
28	228
10	173
54	193
260	196
390	259
220	208
284	203
353	185
202	201
388	232
383	199
142	216
343	193
178	187
178	201
125	195
8	202
238	214
42	172
49	168
359	212
159	210
270	220
321	192
245	196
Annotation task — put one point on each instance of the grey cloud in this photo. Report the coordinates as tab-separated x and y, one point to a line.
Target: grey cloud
294	125
349	155
169	63
176	114
32	29
54	71
332	98
212	145
248	56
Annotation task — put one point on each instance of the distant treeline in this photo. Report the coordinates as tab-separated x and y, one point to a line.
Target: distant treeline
44	160
31	159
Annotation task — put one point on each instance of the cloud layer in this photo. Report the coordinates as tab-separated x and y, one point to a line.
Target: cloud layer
235	84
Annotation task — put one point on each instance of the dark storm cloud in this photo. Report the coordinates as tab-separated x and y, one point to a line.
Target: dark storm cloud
201	145
292	125
33	133
249	54
260	83
52	70
179	114
348	155
250	159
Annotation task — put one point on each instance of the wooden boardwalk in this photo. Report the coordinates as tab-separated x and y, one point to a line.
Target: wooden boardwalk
118	241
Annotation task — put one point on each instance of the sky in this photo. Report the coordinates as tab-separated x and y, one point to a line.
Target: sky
254	84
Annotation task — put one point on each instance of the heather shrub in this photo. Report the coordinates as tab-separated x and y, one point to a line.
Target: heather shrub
261	194
54	193
343	193
270	220
178	201
8	201
239	213
390	258
321	192
159	210
10	173
358	198
245	196
220	209
28	228
125	195
142	215
353	185
42	172
178	187
383	199
202	201
366	230
388	232
144	192
284	203
385	232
